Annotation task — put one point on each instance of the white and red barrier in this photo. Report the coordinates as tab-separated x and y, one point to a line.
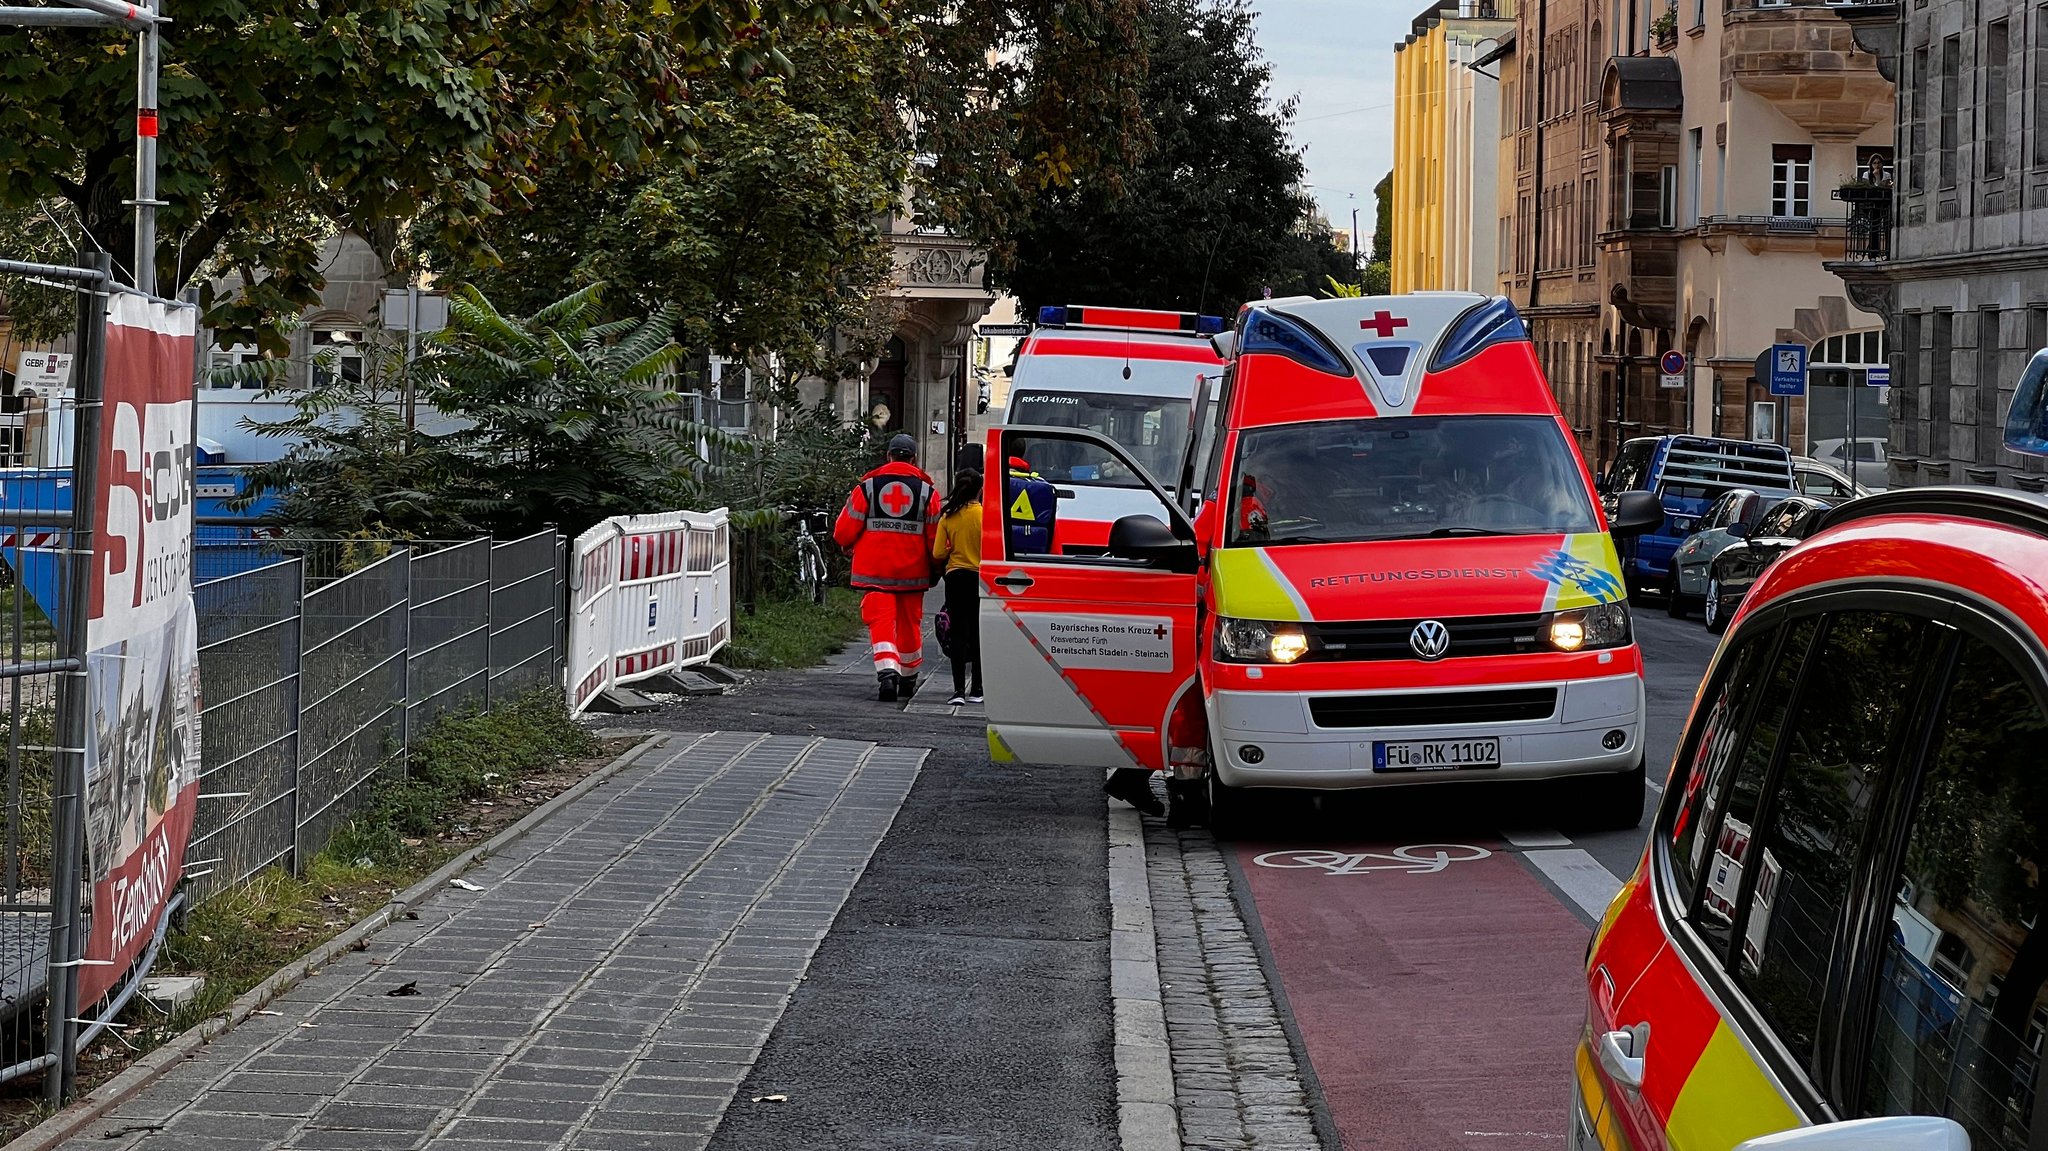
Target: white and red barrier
647	594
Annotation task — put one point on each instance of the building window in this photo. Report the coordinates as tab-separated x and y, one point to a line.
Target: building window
1951	71
2041	88
1997	116
1667	196
1594	73
1939	369
1907	386
1589	221
220	360
1720	179
1916	175
1990	428
727	396
337	356
1791	179
1696	159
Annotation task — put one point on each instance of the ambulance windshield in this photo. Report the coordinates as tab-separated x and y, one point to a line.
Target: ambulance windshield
1153	429
1406	478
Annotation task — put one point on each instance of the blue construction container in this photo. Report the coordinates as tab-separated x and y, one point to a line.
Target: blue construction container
221	549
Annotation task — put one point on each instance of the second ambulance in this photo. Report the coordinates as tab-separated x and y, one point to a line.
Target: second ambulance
1383	564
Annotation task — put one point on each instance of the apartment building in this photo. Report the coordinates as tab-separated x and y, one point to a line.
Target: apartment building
1959	259
1446	148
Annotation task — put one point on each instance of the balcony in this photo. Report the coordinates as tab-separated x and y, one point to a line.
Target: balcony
1804	59
1822	235
1869	229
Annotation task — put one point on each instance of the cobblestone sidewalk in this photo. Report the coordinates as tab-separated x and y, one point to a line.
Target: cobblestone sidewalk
1234	1073
606	989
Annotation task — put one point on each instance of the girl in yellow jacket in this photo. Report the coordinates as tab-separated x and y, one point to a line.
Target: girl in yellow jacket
958	548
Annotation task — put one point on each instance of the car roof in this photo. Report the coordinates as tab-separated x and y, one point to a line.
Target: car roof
1981	543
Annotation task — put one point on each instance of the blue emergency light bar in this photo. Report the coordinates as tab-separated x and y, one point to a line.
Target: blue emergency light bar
1128	319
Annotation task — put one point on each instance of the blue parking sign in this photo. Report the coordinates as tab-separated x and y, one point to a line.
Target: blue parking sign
1788	369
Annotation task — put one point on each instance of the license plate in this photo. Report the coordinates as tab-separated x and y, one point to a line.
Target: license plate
1435	754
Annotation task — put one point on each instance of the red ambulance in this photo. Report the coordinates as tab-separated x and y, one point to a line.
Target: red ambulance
1128	374
1383	564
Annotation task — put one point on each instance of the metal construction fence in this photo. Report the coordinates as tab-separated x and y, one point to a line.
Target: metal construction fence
650	594
314	690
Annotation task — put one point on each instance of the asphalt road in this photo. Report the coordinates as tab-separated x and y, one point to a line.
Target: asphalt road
962	997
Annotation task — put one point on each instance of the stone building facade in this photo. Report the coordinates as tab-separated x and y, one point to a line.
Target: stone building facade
1964	282
1447	147
1551	141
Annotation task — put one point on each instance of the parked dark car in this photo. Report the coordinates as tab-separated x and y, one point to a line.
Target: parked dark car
1739	565
1729	518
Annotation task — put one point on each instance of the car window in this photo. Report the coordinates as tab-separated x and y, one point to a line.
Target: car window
1714	914
1632	467
1803	520
1960	1003
1718	514
1867	452
1839	752
1816	483
1717	735
1780	519
1153	429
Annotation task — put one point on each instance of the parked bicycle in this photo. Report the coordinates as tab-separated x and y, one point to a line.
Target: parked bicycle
811	572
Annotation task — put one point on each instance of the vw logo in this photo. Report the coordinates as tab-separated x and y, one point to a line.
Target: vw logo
1430	639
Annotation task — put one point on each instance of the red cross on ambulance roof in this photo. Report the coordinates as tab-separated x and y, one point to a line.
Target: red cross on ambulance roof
1382	323
895	500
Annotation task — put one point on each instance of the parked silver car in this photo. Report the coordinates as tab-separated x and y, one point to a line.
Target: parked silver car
1824	481
1725	521
1863	457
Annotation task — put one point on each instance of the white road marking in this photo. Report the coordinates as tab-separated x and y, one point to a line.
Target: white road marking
1656	787
1538	837
1514	1135
1578	875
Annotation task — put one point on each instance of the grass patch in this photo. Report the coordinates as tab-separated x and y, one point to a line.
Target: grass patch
794	633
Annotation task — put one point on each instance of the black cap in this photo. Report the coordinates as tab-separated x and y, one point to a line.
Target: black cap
902	447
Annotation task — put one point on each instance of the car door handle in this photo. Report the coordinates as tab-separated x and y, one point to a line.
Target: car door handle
1015	580
1621	1054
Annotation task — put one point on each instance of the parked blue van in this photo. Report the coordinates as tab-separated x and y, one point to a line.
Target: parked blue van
1688	473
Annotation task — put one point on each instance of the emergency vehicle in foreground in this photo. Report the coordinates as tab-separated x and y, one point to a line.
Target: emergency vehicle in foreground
1835	939
1126	373
1398	573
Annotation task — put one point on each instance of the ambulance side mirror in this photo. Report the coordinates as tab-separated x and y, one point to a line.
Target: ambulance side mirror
1891	1133
1635	513
1144	538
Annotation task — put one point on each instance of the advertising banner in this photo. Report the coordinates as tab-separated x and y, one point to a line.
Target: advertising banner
142	649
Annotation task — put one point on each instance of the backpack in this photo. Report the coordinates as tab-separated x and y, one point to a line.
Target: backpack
942	630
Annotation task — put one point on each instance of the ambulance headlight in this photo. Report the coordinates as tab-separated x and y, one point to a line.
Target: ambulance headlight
1259	641
1585	629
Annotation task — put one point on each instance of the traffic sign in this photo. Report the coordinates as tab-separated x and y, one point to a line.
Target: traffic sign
1672	364
1002	330
1880	377
1788	369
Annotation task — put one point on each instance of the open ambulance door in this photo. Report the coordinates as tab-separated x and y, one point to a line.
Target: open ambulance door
1084	656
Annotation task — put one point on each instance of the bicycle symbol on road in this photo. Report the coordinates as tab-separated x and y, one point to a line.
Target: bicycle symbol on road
1415	859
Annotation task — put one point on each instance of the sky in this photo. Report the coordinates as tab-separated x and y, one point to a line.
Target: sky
1337	57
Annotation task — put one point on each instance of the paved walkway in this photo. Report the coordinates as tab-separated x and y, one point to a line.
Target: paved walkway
606	990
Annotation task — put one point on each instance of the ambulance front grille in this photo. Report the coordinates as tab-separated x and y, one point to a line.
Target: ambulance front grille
1388	638
1434	708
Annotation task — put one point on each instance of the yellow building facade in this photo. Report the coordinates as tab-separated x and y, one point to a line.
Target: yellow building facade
1447	148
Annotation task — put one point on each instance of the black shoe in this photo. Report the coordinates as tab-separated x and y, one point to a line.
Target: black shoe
1133	785
907	686
1186	805
889	682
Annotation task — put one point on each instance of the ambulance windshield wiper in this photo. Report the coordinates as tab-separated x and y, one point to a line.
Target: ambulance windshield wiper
1274	543
1440	533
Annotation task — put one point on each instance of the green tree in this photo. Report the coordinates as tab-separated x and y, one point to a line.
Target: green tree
282	122
1012	99
1383	220
762	241
560	419
1213	214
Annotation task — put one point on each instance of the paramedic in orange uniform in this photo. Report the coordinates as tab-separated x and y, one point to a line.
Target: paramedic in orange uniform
888	524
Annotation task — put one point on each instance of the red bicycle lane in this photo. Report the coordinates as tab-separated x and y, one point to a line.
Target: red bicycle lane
1438	998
